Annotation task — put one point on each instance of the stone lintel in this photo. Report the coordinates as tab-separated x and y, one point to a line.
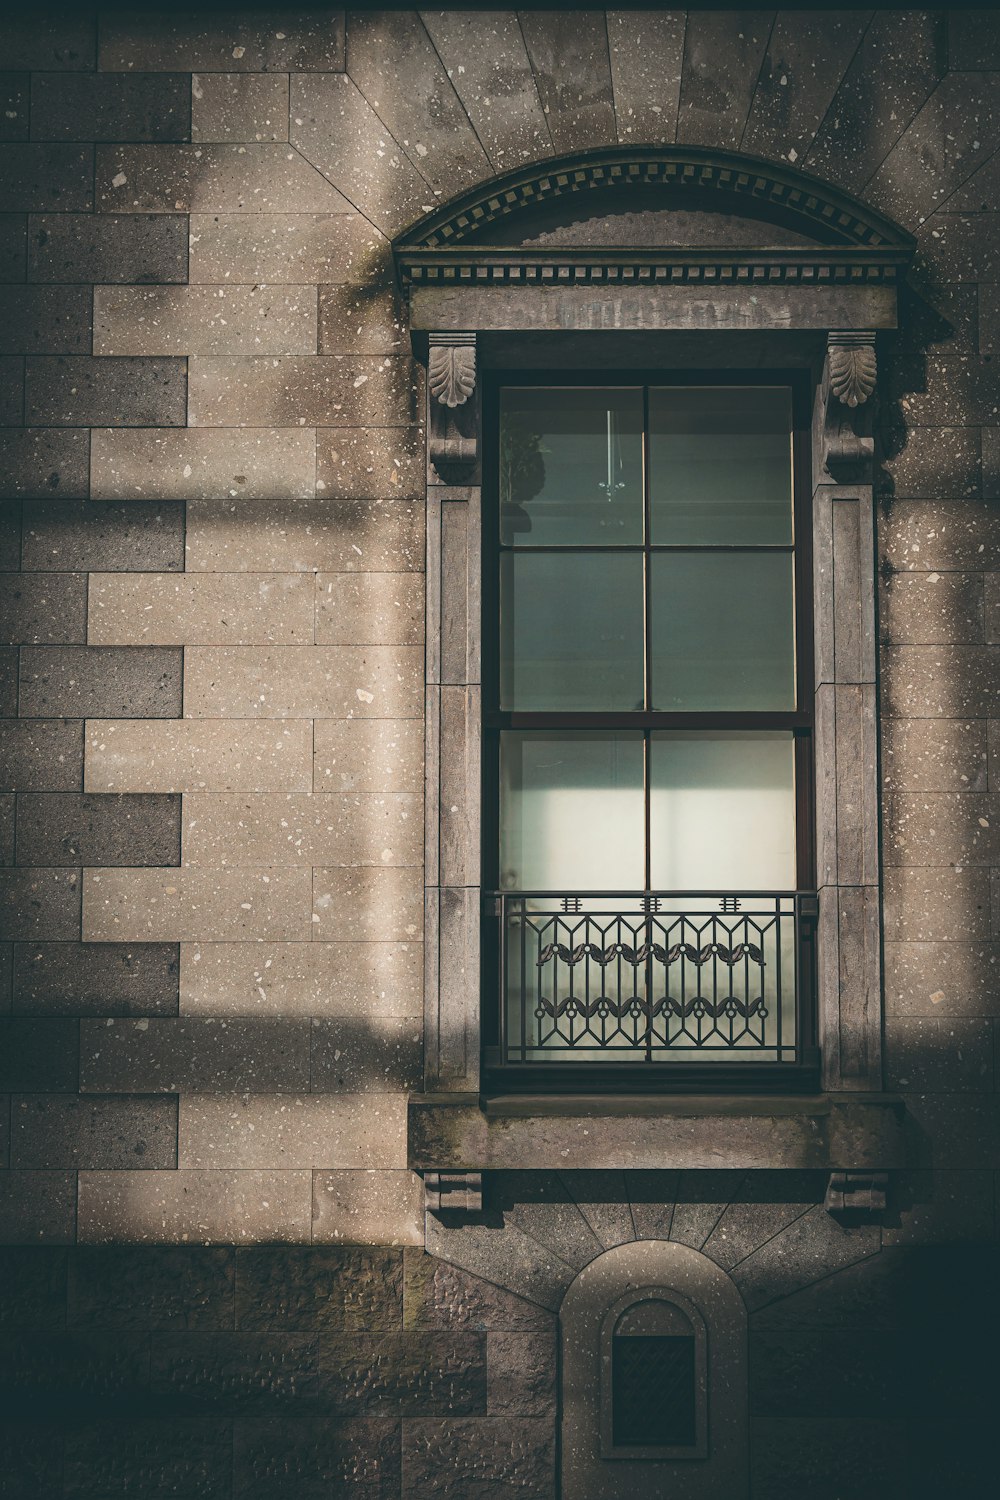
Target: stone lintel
453	1132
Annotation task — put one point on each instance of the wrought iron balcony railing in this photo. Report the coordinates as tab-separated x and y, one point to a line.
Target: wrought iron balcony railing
655	978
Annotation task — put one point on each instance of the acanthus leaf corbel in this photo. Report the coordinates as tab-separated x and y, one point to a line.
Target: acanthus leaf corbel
453	418
849	379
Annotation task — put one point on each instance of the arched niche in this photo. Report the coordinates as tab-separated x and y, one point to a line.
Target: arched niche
688	1381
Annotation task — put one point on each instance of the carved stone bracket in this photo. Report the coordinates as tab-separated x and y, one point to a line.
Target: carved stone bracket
848	384
857	1197
450	1192
453	406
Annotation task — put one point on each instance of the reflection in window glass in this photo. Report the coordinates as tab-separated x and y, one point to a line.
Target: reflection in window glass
722	811
722	635
571	811
570	466
571	630
720	466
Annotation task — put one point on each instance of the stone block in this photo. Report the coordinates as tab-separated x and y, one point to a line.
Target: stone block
949	682
183	1054
107	248
39	177
331	1375
278	1131
921	609
487	63
359	979
360	1206
991	587
366	319
128	682
335	128
942	391
723	54
941	978
301	682
7	837
437	1294
513	1260
64	41
946	1054
943	315
300	248
228	1208
40	1056
330	536
448	1460
239	107
152	1287
942	828
940	1208
521	1374
369	1055
765	1204
37	1208
61	828
991	464
282	41
81	979
937	151
799	77
59	1131
602	1198
103	536
368	755
205	320
13	246
829	1373
572	68
72	391
153	1458
934	755
11	390
32	1288
964	1129
254	179
77	1370
296	828
8	681
942	535
188	465
311	390
38	904
295	1289
936	905
368	905
812	1247
370	462
188	755
44	609
45	320
10	537
195	905
366	608
111	107
37	464
313	1457
155	609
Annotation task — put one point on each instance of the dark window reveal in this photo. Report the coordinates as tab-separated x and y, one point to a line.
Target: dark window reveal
653	1385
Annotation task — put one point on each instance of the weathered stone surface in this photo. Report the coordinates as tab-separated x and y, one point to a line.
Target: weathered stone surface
812	1247
765	1204
317	1456
38	463
39	178
802	69
368	755
82	1367
107	247
8	680
371	1055
369	905
13	246
364	1207
935	462
65	41
44	609
278	1131
302	682
185	1455
965	1129
32	1288
438	1294
184	1054
949	682
521	1374
828	1373
569	58
204	609
185	755
185	465
152	1288
204	320
77	391
335	128
60	1131
201	905
252	179
539	1206
294	1289
941	828
364	608
311	390
925	535
110	107
487	63
334	1375
933	608
369	319
37	1208
652	1198
941	978
941	390
105	537
351	978
946	1054
934	755
255	42
239	107
937	905
939	1208
228	1208
448	1460
295	828
647	52
332	536
702	1198
512	1260
39	904
280	248
961	247
45	320
11	390
59	828
39	1056
129	682
52	979
723	53
14	103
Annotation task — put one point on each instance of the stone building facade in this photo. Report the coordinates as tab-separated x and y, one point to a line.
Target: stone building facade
243	1129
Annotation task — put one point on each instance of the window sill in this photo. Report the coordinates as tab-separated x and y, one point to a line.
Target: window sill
462	1133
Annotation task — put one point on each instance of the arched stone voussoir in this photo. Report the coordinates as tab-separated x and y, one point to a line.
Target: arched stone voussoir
812	1247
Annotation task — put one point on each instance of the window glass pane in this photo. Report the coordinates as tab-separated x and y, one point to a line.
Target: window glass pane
571	630
571	812
722	633
720	470
570	466
654	1392
722	811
